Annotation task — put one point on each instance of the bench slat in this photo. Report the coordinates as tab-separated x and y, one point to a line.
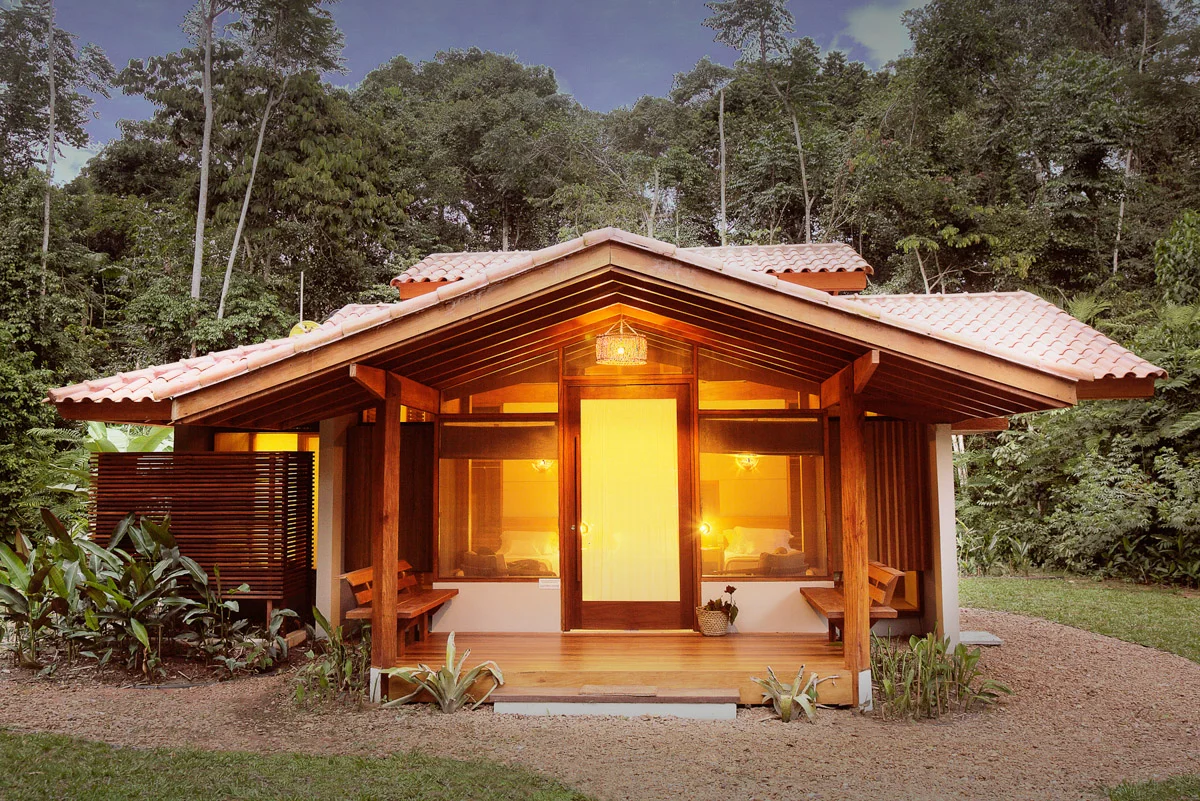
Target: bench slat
409	606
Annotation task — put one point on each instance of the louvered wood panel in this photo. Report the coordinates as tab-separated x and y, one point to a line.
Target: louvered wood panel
898	512
249	513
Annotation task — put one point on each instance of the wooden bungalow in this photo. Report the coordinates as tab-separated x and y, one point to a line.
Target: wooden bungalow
585	442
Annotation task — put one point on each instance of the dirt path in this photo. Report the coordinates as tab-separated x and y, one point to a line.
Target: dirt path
1089	711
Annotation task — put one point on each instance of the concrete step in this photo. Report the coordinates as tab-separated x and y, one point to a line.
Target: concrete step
618	700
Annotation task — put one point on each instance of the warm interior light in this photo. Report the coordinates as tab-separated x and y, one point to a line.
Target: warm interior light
710	538
543	465
620	345
746	461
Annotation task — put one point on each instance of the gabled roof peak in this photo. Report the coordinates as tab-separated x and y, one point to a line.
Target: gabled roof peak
822	257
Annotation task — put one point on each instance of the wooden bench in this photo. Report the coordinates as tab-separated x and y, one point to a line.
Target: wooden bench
881	586
414	605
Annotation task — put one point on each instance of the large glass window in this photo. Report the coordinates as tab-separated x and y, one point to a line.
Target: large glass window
498	499
728	383
530	387
762	497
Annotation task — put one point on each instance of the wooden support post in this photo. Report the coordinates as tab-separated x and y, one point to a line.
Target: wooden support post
856	629
385	532
194	439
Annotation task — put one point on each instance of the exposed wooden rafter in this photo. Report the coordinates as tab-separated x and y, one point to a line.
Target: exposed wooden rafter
859	371
980	425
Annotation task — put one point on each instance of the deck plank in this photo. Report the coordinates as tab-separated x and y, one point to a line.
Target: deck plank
668	660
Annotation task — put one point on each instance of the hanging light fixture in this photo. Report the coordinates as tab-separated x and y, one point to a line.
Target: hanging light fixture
542	465
746	461
621	346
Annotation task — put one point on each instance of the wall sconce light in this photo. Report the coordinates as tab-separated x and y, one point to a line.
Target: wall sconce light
542	465
705	529
746	461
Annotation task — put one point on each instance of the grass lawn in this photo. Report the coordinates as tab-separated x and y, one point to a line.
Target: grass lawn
1159	618
51	766
1181	788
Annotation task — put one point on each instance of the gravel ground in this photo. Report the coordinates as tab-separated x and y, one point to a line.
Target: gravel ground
1089	711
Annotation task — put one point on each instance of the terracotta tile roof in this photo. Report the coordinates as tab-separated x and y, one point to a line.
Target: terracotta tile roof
1019	322
828	257
1017	327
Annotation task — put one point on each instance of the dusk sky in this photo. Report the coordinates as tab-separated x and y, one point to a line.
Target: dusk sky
606	53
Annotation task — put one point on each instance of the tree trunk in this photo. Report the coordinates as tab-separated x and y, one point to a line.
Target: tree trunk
808	200
49	147
1116	256
237	234
210	15
787	105
504	228
921	265
652	217
721	130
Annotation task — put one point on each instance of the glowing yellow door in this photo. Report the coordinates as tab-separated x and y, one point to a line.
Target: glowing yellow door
629	509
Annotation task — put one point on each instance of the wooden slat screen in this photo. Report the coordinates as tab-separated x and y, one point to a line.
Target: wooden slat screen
416	496
899	527
898	503
249	513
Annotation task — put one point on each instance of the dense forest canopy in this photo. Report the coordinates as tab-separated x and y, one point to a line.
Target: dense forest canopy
1050	146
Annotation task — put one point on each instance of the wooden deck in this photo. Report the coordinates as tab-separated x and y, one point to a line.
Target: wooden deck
667	660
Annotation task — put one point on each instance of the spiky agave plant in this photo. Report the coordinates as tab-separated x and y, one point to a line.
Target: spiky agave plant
789	701
449	686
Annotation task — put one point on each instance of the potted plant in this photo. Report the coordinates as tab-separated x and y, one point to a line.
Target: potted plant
717	615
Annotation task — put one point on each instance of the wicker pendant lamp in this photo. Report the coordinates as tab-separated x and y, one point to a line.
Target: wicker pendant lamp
621	346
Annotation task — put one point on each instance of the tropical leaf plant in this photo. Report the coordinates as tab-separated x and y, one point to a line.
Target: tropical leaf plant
790	701
450	686
337	669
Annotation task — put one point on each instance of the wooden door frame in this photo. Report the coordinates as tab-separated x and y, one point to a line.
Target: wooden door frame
681	389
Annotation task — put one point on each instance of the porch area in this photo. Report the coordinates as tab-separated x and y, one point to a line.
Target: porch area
545	663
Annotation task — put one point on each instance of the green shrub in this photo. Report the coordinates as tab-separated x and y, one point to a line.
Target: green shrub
133	600
338	670
926	678
1107	488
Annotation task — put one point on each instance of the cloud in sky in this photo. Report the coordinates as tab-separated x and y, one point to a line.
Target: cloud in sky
70	161
877	27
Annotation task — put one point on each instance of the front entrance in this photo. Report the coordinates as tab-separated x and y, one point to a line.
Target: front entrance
629	507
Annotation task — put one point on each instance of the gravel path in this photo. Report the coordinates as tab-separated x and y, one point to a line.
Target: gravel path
1089	711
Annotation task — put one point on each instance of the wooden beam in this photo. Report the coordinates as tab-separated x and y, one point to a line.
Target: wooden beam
147	412
385	528
413	394
372	379
842	281
858	372
416	395
980	425
856	632
1116	388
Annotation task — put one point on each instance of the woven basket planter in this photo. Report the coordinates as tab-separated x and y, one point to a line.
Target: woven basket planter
713	623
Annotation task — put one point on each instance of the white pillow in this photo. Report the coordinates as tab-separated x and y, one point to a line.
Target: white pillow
528	543
754	541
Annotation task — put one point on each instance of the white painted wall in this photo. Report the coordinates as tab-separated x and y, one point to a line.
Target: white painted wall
331	514
945	542
764	606
499	606
771	606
